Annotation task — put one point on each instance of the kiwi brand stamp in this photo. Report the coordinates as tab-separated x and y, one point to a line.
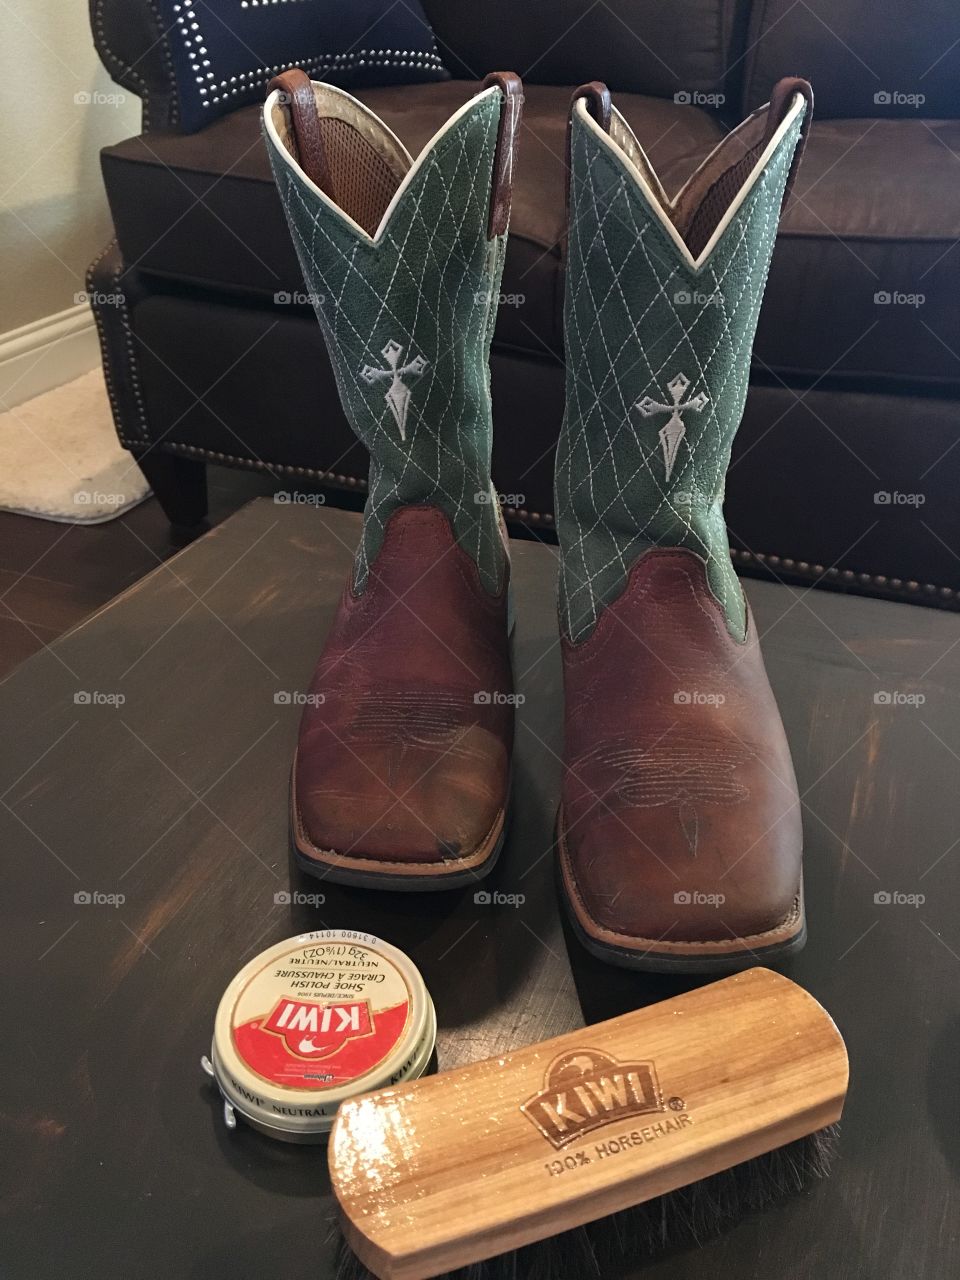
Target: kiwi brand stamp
585	1090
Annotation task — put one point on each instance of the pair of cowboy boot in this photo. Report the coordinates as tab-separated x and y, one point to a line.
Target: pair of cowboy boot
678	833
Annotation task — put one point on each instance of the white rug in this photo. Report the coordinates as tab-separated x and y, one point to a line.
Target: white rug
60	458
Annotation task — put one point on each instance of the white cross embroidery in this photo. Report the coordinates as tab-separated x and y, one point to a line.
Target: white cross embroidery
398	393
673	430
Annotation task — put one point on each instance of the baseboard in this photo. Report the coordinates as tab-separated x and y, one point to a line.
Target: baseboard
46	353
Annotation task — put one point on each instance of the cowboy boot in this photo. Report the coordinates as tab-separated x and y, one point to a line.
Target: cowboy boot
679	831
402	768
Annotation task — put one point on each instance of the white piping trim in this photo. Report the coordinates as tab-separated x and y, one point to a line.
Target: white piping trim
361	109
656	205
415	165
308	182
421	159
660	192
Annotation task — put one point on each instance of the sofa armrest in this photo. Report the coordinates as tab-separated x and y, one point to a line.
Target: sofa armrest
134	47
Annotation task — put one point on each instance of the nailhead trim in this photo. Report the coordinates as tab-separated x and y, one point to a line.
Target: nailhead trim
351	482
248	81
102	338
877	580
212	90
131	364
907	590
140	86
529	517
258	464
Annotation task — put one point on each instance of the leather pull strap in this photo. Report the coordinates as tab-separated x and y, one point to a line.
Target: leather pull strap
504	160
599	102
781	100
600	106
310	153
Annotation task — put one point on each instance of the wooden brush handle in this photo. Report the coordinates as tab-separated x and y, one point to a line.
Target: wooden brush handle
467	1164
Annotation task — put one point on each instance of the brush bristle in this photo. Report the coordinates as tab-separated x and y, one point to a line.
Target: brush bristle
688	1216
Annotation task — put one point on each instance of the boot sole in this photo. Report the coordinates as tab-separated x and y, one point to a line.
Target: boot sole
367	873
729	956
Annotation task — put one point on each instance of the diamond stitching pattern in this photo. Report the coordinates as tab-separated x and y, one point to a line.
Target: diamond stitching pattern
429	286
637	317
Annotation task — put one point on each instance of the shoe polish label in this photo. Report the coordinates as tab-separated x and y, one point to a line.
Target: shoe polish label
312	1021
321	1016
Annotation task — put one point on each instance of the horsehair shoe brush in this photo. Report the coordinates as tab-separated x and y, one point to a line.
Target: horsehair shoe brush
675	1119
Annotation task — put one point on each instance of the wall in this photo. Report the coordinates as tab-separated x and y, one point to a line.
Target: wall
60	108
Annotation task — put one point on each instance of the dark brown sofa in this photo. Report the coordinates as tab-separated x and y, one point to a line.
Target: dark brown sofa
846	469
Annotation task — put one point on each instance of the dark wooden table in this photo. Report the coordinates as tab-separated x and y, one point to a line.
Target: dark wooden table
115	1160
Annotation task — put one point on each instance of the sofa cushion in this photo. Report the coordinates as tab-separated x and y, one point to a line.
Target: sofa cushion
639	46
864	57
201	209
876	212
866	271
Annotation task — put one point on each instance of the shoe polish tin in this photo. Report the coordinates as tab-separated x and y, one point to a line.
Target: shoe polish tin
315	1020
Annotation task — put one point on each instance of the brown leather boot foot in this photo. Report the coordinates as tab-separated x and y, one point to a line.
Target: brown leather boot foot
679	833
403	765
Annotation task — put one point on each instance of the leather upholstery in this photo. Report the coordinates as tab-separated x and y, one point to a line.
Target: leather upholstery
201	209
644	46
864	59
876	210
203	251
205	394
132	43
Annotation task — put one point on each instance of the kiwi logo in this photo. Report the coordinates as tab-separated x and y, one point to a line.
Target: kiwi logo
585	1090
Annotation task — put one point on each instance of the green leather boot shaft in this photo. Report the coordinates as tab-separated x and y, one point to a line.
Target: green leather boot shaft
658	359
408	318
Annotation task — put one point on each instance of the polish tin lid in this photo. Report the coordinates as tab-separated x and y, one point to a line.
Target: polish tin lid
312	1021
